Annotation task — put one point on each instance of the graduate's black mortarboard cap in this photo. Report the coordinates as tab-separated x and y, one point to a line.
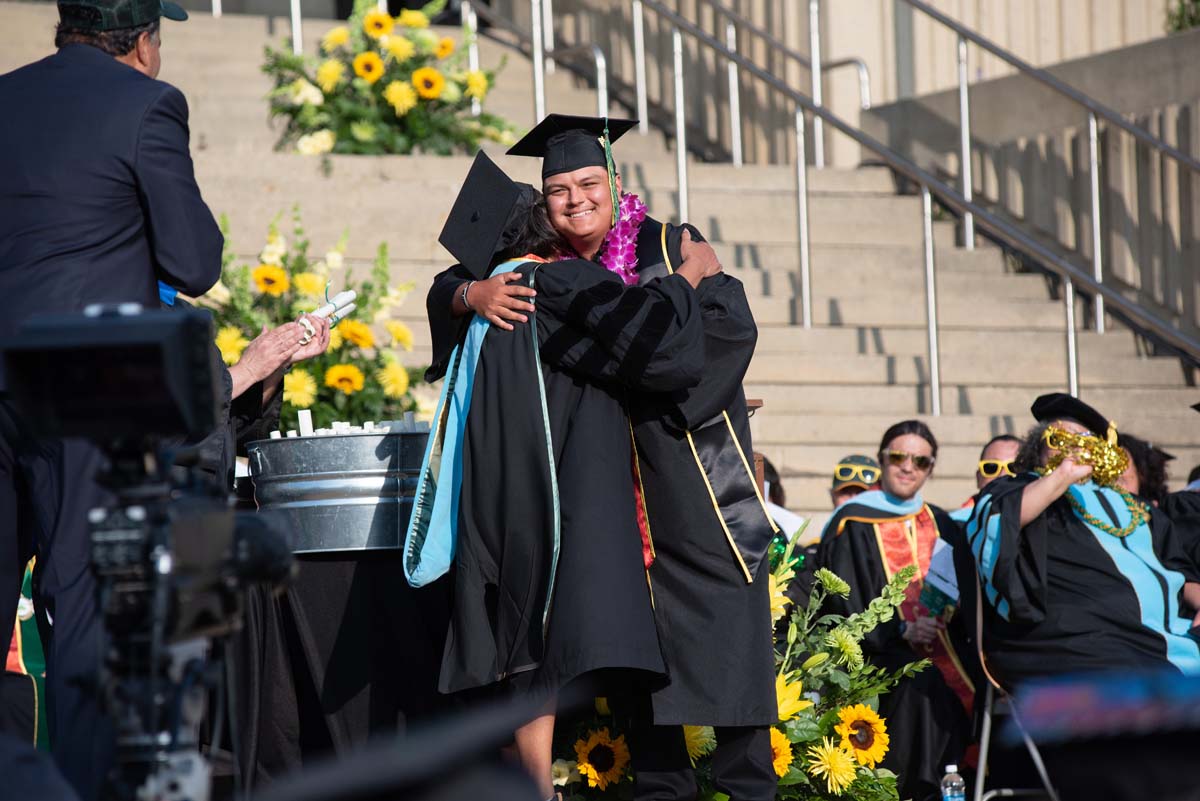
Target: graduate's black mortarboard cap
486	217
566	143
1060	406
1196	406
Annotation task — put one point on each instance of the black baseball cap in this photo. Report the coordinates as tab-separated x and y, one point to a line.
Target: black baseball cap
113	15
487	216
856	470
1061	406
566	143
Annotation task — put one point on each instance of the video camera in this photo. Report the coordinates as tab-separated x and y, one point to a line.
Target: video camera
169	554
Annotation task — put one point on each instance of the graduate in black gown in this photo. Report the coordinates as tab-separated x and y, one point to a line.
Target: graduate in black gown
869	539
1078	575
707	528
528	490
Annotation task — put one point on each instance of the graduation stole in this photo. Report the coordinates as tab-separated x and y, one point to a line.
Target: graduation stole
729	479
26	657
909	540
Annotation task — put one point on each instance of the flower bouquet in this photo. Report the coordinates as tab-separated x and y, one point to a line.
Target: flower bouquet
829	738
382	85
359	377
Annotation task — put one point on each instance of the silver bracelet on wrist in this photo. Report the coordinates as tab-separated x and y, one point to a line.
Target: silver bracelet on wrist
463	297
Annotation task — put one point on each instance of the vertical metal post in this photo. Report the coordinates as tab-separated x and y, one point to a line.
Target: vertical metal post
735	98
601	81
639	66
680	127
931	321
802	221
216	8
1072	347
964	143
1097	235
548	32
382	6
297	33
471	21
814	55
539	63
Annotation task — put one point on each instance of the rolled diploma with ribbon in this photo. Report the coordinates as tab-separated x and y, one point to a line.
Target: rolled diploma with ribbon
338	308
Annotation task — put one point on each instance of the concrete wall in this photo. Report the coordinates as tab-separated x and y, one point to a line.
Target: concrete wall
1030	158
906	52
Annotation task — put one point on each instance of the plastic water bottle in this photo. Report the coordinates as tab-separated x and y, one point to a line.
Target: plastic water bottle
953	786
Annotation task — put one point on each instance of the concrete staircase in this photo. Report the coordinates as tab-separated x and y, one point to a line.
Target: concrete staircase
829	391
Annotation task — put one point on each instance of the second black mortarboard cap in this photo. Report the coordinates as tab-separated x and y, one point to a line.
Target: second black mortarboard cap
566	143
488	215
1061	406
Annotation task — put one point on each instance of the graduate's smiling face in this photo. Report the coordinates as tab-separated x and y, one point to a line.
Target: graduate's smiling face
903	477
580	207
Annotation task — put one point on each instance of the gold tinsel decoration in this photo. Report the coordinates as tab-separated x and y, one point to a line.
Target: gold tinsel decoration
1107	458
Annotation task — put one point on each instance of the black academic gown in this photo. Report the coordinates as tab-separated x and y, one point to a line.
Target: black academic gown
526	612
1183	510
1055	601
708	525
927	722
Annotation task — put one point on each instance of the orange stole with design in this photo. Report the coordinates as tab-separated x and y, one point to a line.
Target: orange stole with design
905	541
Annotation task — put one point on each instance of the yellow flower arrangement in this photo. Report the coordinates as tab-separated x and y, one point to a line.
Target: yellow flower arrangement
601	759
445	47
411	18
337	37
428	82
400	96
399	47
329	75
401	334
368	66
231	343
271	279
309	284
477	85
781	752
790	697
864	734
700	741
377	23
833	764
357	333
345	378
299	388
393	378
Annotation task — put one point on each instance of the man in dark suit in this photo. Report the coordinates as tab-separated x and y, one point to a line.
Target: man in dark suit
97	204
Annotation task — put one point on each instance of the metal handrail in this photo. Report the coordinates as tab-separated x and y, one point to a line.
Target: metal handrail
1001	229
540	54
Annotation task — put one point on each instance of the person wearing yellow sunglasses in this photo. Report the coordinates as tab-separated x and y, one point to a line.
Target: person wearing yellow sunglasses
996	459
853	475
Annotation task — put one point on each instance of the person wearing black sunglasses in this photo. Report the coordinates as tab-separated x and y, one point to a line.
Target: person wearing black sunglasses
868	540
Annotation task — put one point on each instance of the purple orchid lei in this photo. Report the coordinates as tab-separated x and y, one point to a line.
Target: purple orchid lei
618	252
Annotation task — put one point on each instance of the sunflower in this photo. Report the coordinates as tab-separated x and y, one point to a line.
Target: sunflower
337	37
601	759
477	84
368	66
399	47
329	74
393	378
445	47
779	600
336	340
790	697
345	377
830	762
299	388
845	647
377	23
231	343
357	334
271	279
309	284
863	734
700	741
781	752
400	96
402	335
429	83
410	18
